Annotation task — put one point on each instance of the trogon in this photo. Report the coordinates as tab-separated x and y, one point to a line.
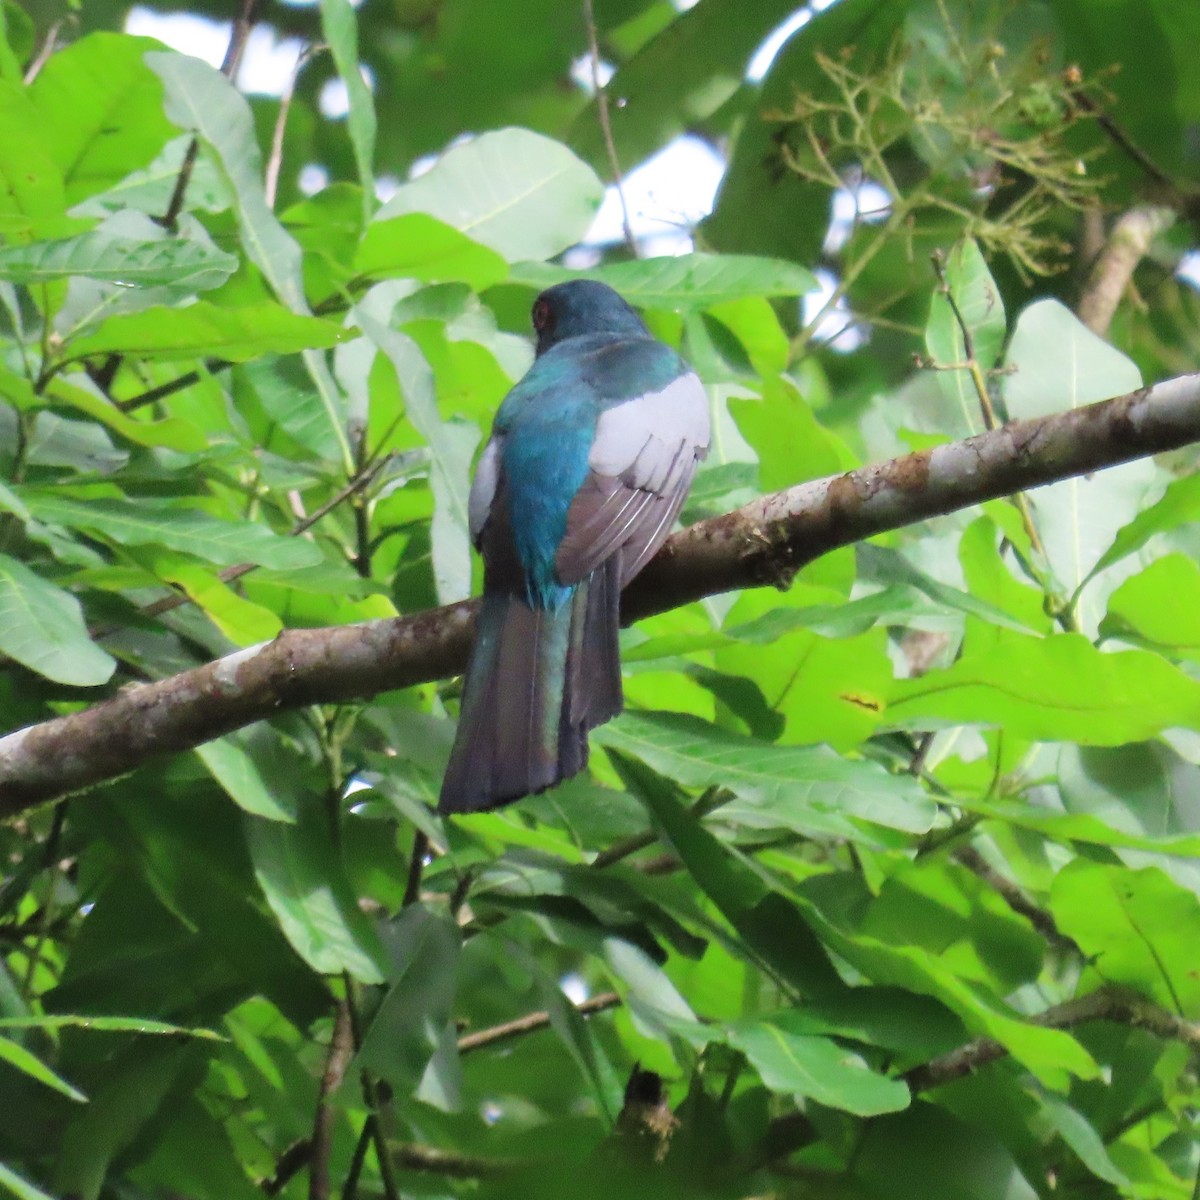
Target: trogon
590	459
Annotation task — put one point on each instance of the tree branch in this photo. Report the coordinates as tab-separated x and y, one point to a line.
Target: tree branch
1105	1004
1113	270
531	1022
763	543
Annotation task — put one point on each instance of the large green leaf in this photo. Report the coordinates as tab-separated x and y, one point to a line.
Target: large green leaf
102	111
411	1040
32	199
300	872
418	246
1055	363
340	27
1136	928
816	1067
1160	606
678	79
204	329
978	303
522	194
805	787
451	446
686	281
42	627
146	523
1057	688
190	264
233	766
77	393
1178	505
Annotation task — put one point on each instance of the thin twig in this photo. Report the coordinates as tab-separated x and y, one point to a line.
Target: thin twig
1015	898
275	159
46	49
602	115
179	384
341	1050
412	886
531	1022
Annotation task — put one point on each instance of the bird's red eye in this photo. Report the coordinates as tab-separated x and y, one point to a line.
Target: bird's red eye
541	315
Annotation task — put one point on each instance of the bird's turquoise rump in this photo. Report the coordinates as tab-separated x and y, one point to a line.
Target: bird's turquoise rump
589	462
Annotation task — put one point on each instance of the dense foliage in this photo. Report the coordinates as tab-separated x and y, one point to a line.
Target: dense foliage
885	883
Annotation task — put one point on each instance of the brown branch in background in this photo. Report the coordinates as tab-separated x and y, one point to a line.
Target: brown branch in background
531	1022
1015	898
417	1157
341	1050
1105	1004
793	1131
1123	141
602	115
761	544
1113	269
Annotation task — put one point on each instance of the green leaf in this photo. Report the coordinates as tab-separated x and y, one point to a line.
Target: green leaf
149	523
101	109
21	1187
175	433
32	199
103	1024
200	99
1137	928
816	1068
418	246
981	309
208	330
772	928
301	874
1056	688
451	446
687	281
340	27
234	768
1081	1135
1179	505
1161	606
678	79
29	1064
803	787
122	260
525	196
411	1039
42	627
1057	363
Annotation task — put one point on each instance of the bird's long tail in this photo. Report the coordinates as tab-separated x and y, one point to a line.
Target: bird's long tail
538	680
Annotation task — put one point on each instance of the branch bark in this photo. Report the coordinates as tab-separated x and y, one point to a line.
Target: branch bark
1127	245
763	543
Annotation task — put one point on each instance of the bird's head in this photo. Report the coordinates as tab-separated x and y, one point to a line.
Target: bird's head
578	307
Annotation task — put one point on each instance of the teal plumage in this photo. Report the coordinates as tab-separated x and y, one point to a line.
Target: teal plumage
590	459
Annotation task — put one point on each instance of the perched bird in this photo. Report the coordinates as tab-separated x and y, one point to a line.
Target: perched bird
590	459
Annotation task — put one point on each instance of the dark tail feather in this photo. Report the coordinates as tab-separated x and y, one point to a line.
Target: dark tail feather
537	682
